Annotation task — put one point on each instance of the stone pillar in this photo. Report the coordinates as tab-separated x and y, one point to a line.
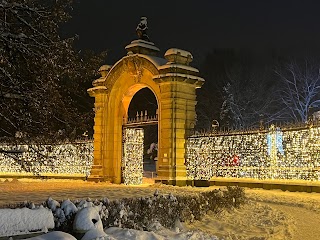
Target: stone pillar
100	93
178	83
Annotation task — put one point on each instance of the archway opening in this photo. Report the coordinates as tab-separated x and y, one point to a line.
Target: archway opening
144	105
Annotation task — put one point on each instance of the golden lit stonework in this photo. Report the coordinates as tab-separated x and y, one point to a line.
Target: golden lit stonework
174	85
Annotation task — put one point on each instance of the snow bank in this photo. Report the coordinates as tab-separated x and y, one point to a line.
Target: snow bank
18	221
86	219
56	235
128	234
94	234
141	213
128	217
52	204
68	207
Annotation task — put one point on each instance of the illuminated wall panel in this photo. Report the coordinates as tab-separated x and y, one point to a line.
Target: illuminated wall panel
272	154
41	160
132	161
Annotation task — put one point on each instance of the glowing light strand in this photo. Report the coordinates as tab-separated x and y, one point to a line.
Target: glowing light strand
132	161
291	154
41	160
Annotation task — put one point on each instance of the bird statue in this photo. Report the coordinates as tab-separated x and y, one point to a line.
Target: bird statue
142	28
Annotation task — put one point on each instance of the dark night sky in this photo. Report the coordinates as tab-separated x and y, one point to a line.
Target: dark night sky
198	26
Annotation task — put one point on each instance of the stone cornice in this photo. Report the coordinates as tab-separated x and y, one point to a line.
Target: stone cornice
179	77
97	90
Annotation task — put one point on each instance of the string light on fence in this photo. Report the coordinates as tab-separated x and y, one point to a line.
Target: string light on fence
132	162
38	160
273	154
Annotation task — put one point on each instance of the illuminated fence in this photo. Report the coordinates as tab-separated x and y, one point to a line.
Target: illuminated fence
269	154
45	160
132	161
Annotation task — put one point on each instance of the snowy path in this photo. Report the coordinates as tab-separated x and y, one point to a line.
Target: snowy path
269	214
302	208
307	222
263	221
251	221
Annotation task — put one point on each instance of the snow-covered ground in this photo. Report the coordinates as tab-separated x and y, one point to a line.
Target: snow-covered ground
268	214
115	233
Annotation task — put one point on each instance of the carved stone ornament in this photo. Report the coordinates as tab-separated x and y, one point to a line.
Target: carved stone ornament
133	65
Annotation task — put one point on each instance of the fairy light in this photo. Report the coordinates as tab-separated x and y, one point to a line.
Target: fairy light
132	161
275	154
272	154
40	160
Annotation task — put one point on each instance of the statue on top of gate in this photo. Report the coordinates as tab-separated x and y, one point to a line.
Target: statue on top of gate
142	28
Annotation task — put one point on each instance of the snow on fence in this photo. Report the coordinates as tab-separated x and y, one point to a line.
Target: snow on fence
291	153
47	159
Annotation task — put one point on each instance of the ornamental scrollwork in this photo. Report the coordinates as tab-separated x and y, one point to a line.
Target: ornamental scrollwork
133	65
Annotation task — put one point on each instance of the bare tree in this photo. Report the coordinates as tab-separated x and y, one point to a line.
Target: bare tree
299	89
239	89
248	98
210	96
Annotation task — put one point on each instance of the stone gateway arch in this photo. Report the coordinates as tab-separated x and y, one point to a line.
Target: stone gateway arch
174	85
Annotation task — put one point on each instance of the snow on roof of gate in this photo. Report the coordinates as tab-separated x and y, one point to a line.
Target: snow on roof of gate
157	61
